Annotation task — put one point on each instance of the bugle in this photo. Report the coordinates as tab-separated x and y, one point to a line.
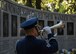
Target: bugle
59	25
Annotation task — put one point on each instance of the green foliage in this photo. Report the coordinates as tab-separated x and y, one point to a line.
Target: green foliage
61	6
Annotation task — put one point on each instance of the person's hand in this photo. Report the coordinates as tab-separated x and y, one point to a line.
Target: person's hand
47	29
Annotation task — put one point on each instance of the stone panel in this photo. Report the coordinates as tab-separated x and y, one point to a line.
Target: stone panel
0	23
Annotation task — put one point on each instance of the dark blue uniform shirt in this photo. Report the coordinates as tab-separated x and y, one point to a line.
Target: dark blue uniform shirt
31	45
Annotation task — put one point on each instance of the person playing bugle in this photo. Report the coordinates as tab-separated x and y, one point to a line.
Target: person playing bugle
30	44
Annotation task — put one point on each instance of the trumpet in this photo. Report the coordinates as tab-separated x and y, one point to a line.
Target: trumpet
59	25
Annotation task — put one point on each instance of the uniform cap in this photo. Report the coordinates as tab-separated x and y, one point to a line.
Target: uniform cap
30	23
